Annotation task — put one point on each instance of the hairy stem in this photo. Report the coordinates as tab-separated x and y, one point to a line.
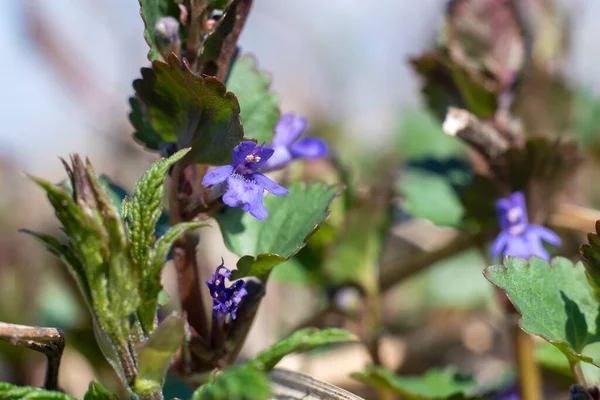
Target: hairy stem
50	341
186	264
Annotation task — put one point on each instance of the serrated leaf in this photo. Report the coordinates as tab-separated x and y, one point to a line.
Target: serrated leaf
144	132
13	392
145	208
437	384
259	111
156	260
302	340
291	220
241	383
96	391
590	255
431	197
556	302
152	11
190	110
220	45
154	356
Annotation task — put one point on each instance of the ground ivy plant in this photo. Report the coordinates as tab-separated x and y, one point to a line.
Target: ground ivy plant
227	157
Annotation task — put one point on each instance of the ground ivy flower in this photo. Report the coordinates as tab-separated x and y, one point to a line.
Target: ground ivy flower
225	299
245	186
288	147
518	237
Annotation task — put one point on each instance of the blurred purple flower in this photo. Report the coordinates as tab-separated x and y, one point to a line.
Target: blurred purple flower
245	186
511	393
288	147
518	237
225	299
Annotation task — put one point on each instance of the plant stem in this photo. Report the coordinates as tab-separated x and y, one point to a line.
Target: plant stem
186	264
577	372
528	371
50	341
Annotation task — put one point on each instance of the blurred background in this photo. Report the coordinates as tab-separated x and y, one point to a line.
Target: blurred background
66	74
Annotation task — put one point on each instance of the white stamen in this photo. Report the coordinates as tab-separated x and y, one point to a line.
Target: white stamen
252	158
514	214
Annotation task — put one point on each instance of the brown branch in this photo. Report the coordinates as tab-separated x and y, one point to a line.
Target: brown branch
50	341
479	135
395	271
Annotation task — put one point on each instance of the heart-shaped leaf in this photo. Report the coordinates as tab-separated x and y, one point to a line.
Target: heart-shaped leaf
556	302
258	105
291	220
303	340
185	108
436	384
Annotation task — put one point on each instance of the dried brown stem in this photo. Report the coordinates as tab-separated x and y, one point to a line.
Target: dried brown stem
50	341
481	136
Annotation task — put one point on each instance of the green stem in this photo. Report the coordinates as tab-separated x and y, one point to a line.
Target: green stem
528	371
577	372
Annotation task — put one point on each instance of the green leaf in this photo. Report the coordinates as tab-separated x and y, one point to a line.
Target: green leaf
590	255
354	259
145	208
556	302
156	260
190	110
291	220
302	340
420	136
144	132
154	356
436	384
258	105
98	392
430	196
240	383
13	392
259	266
448	84
152	11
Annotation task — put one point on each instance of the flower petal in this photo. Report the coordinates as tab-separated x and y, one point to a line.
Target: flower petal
247	193
309	147
288	129
269	185
265	153
545	234
241	151
518	246
280	159
217	175
258	210
499	244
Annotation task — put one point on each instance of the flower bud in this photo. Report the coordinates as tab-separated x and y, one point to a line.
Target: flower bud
166	34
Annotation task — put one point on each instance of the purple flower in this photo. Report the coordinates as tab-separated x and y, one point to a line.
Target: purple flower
245	186
225	299
518	237
510	393
288	147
